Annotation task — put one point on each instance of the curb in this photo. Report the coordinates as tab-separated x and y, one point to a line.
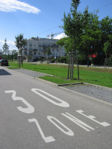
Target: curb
98	86
67	84
45	81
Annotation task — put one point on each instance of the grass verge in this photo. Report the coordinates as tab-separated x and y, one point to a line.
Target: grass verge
96	76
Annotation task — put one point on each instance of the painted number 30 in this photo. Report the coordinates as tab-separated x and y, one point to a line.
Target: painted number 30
29	109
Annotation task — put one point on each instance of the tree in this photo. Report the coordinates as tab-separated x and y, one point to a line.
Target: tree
68	44
87	35
20	44
44	50
73	27
5	47
107	50
48	52
13	54
90	42
106	28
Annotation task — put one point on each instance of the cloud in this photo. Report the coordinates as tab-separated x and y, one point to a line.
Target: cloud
60	36
13	5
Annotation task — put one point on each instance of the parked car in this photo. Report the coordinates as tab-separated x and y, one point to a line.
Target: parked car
4	62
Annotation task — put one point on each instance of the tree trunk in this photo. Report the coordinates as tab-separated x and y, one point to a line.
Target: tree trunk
19	61
78	71
68	74
70	66
78	67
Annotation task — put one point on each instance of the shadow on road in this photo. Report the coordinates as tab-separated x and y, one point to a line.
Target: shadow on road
4	72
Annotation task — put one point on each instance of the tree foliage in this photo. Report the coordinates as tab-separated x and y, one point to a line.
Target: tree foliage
5	48
87	34
67	43
20	42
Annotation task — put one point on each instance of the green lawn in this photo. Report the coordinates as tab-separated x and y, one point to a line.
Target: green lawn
90	75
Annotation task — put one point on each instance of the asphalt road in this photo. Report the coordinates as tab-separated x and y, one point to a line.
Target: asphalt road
38	115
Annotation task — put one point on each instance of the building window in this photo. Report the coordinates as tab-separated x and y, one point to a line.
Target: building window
30	45
35	53
25	53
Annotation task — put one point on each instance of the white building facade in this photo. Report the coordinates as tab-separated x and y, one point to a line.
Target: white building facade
42	47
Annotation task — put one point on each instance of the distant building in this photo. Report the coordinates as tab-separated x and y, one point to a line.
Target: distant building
42	47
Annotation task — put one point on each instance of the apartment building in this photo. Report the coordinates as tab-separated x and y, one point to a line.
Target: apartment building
42	47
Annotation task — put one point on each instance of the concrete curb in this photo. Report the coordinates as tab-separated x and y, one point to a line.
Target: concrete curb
67	84
40	79
98	86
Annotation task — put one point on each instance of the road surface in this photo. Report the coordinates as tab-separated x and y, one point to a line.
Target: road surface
38	115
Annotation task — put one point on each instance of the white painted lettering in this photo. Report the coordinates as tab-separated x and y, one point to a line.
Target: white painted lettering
63	127
78	122
29	108
91	117
54	100
46	139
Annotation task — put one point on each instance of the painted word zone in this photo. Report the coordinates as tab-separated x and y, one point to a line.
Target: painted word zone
29	109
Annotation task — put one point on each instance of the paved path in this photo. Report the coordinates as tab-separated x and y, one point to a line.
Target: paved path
101	93
37	115
31	73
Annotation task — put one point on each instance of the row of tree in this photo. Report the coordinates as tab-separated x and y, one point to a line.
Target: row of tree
14	54
6	53
88	36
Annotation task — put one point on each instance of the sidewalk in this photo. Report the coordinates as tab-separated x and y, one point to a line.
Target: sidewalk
31	73
100	92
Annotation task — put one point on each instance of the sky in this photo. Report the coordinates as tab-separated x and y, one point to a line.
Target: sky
41	18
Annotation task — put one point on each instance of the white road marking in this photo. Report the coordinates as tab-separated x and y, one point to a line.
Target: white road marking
63	127
54	100
29	108
78	122
91	117
46	139
58	102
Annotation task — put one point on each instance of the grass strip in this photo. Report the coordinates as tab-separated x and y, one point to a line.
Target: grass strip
95	76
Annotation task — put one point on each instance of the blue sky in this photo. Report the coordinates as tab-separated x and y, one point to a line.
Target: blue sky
40	17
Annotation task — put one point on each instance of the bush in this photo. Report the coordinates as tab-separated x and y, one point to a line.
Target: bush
109	61
62	59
